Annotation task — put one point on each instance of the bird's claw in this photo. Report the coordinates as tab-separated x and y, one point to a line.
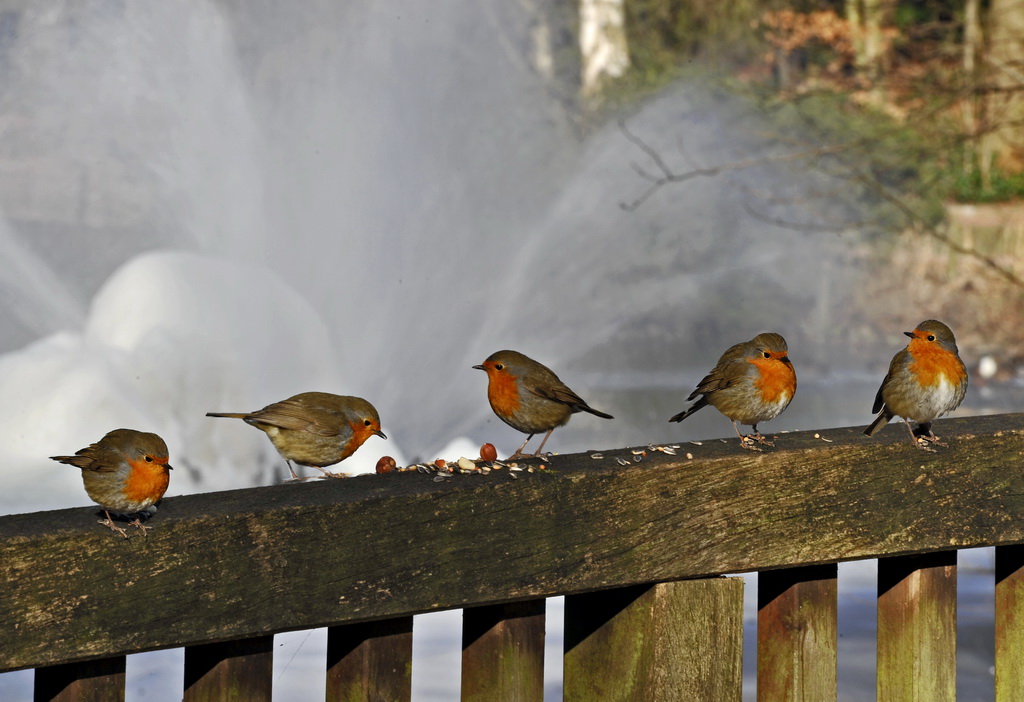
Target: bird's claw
110	524
748	443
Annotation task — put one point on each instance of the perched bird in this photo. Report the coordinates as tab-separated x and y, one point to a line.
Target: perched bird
528	397
314	429
751	383
925	381
125	472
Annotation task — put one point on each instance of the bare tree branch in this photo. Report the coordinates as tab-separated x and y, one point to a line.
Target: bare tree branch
669	176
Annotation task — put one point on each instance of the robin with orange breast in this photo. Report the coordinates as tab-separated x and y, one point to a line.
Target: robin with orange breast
529	397
926	380
125	472
315	429
751	383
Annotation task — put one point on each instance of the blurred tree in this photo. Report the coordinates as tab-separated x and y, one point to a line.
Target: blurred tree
1003	142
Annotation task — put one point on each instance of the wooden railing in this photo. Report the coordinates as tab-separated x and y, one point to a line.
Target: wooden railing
637	549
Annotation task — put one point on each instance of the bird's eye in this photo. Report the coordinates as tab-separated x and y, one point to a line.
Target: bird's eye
931	337
766	354
498	366
367	422
149	459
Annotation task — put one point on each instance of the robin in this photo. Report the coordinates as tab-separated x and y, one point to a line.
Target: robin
751	383
314	429
528	397
125	472
925	381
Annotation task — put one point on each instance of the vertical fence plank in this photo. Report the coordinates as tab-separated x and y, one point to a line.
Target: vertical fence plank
796	634
917	628
234	671
1009	623
370	661
503	652
680	640
92	681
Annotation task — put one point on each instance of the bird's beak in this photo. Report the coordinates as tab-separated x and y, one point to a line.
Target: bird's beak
480	368
912	335
381	434
168	466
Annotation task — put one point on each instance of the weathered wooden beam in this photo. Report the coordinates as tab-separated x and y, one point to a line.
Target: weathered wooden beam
246	563
796	634
917	628
93	681
503	652
234	671
1009	623
370	661
671	641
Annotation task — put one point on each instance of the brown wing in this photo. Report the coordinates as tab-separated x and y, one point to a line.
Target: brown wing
724	375
299	415
730	369
94	457
895	363
558	391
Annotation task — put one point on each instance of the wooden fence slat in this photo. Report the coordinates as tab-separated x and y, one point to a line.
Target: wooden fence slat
233	671
917	628
796	634
93	681
370	661
503	652
680	640
1009	623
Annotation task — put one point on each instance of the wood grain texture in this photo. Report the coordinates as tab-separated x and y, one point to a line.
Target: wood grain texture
671	641
93	681
234	671
503	652
917	628
370	661
1010	623
797	634
246	563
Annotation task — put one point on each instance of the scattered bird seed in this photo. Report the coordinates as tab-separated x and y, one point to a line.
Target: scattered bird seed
513	476
695	443
637	457
689	456
621	461
514	468
597	456
466	464
669	451
638	452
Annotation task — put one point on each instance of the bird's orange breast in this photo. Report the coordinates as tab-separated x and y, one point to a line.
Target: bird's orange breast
147	482
930	363
503	393
776	380
360	433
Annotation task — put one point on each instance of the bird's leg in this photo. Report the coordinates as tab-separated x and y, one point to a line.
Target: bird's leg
924	433
919	441
327	473
108	522
761	438
519	451
541	447
290	469
746	442
137	523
